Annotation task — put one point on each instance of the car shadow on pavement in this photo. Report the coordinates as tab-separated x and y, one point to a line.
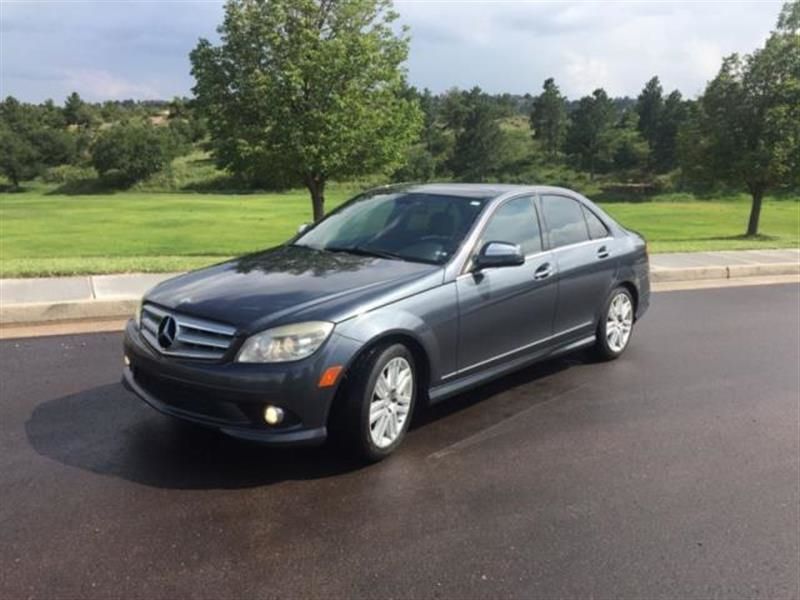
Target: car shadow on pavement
106	430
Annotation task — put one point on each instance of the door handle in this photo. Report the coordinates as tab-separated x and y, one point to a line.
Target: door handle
543	272
602	252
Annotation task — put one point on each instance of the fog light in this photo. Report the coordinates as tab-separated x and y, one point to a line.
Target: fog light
126	360
273	415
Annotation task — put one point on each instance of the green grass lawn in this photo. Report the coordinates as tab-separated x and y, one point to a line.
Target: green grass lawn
43	234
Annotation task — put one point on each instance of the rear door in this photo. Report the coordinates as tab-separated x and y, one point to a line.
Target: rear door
582	250
508	309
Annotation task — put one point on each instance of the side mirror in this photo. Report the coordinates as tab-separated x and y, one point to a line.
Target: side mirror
303	227
499	254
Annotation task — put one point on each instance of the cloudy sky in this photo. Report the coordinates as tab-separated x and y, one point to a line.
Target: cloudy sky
139	49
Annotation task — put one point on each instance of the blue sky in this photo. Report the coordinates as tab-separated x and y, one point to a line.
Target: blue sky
139	49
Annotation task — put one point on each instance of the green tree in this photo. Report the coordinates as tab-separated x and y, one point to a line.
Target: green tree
590	135
31	140
649	106
548	118
19	160
629	149
480	146
306	90
132	150
454	108
673	114
76	111
747	127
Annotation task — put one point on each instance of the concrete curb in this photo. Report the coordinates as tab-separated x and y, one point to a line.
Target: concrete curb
59	312
659	275
121	303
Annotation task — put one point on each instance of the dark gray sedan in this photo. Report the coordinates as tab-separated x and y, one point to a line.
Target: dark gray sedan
401	295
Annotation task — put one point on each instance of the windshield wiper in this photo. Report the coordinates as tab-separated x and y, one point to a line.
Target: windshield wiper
363	251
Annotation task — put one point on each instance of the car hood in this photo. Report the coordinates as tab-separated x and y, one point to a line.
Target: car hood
277	285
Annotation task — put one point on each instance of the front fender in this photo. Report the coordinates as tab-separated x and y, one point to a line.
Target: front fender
430	319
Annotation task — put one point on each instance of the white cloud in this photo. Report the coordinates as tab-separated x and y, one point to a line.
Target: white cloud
99	84
584	74
514	46
140	49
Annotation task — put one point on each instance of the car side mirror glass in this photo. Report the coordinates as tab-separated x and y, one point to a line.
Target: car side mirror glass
303	228
499	254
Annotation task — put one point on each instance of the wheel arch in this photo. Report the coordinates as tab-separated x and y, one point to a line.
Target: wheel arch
634	292
422	362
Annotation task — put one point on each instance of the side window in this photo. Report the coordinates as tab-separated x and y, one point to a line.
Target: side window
597	228
515	222
565	222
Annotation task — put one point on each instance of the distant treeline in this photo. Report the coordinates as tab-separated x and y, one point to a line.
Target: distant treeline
125	140
469	135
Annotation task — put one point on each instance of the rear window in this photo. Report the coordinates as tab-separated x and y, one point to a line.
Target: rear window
565	222
597	228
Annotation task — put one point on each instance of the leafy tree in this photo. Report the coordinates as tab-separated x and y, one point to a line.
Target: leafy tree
76	111
19	160
629	148
29	142
479	149
133	150
548	118
673	114
307	89
649	106
419	165
454	108
589	136
747	127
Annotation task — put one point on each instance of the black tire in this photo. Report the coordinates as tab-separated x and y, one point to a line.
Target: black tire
602	348
350	422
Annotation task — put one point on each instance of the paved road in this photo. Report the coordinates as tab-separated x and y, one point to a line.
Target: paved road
673	472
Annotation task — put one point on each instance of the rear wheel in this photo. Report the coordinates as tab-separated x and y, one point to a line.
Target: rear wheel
379	402
616	325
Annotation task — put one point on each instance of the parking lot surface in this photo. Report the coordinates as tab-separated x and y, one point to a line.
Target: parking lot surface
672	472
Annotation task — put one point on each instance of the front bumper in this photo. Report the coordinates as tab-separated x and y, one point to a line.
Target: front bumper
230	397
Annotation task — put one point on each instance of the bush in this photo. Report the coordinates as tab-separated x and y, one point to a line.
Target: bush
419	166
133	150
68	174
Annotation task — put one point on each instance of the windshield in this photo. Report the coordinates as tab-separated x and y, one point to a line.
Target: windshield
400	225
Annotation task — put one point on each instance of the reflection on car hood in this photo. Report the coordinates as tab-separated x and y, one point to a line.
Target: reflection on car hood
277	284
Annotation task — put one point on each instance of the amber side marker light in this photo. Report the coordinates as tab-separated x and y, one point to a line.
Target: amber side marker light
330	376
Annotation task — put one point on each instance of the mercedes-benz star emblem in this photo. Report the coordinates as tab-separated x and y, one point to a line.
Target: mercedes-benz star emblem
167	330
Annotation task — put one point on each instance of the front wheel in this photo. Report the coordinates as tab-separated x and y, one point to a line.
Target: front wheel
379	401
616	325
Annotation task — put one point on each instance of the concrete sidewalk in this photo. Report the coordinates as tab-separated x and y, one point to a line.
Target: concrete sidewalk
43	300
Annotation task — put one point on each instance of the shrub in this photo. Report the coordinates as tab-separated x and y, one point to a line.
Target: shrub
132	150
420	166
68	174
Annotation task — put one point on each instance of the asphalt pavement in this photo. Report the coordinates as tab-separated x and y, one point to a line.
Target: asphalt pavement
673	472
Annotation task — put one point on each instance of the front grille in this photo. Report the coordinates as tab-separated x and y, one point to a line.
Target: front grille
193	338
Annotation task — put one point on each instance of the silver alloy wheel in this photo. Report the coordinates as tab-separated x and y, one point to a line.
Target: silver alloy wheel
391	402
619	322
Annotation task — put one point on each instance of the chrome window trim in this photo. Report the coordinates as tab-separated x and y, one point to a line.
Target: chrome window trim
584	203
584	243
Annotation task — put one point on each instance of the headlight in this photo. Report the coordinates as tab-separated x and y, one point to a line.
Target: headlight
284	344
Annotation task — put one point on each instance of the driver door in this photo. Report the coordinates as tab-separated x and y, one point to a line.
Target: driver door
507	310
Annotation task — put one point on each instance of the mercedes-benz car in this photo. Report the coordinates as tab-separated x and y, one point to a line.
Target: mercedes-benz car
402	295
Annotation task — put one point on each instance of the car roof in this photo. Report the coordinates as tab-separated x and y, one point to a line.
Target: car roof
479	190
